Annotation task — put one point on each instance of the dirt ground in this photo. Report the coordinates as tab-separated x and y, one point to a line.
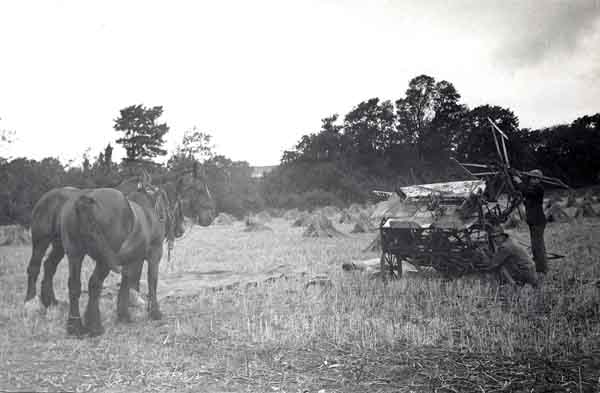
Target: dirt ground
229	297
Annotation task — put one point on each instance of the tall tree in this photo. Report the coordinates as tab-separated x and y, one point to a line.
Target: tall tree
108	157
143	139
195	148
415	111
326	145
429	117
196	144
188	161
86	164
370	126
330	140
438	139
475	142
102	172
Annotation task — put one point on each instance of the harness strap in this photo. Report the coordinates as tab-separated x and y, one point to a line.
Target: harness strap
162	208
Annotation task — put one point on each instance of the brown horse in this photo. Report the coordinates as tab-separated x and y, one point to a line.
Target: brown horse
118	232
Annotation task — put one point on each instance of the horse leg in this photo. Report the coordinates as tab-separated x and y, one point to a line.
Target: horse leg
92	312
50	264
39	245
134	274
74	325
153	262
127	273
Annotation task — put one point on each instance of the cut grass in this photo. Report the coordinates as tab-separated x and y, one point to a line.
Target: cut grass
350	334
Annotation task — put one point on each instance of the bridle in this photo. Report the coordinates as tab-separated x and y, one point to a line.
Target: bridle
165	214
162	206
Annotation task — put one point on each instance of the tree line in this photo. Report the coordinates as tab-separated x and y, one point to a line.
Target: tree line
379	144
384	144
210	182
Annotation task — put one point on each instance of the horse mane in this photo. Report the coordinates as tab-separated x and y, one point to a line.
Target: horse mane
165	209
162	208
160	204
167	192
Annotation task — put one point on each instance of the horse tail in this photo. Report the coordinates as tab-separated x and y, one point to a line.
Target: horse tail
92	233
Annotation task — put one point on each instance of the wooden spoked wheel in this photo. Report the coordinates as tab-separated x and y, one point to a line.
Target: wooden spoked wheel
391	266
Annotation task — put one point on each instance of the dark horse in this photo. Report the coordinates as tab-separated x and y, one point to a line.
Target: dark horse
118	232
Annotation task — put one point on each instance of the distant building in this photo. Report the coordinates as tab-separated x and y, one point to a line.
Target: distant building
260	171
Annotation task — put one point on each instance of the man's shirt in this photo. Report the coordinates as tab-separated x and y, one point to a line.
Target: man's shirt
534	201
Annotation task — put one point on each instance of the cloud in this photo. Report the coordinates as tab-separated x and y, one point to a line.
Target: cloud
537	31
246	71
517	33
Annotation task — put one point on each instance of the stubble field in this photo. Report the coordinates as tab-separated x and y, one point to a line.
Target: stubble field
300	323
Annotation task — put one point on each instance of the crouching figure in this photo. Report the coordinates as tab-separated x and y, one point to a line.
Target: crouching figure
514	261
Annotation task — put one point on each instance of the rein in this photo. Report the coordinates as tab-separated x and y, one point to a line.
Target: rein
165	216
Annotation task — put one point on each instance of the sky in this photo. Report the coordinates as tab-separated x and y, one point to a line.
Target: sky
257	75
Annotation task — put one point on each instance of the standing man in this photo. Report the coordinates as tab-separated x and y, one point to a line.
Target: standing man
533	192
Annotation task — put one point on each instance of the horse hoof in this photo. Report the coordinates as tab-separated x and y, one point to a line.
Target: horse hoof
95	331
156	314
126	318
49	301
76	328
